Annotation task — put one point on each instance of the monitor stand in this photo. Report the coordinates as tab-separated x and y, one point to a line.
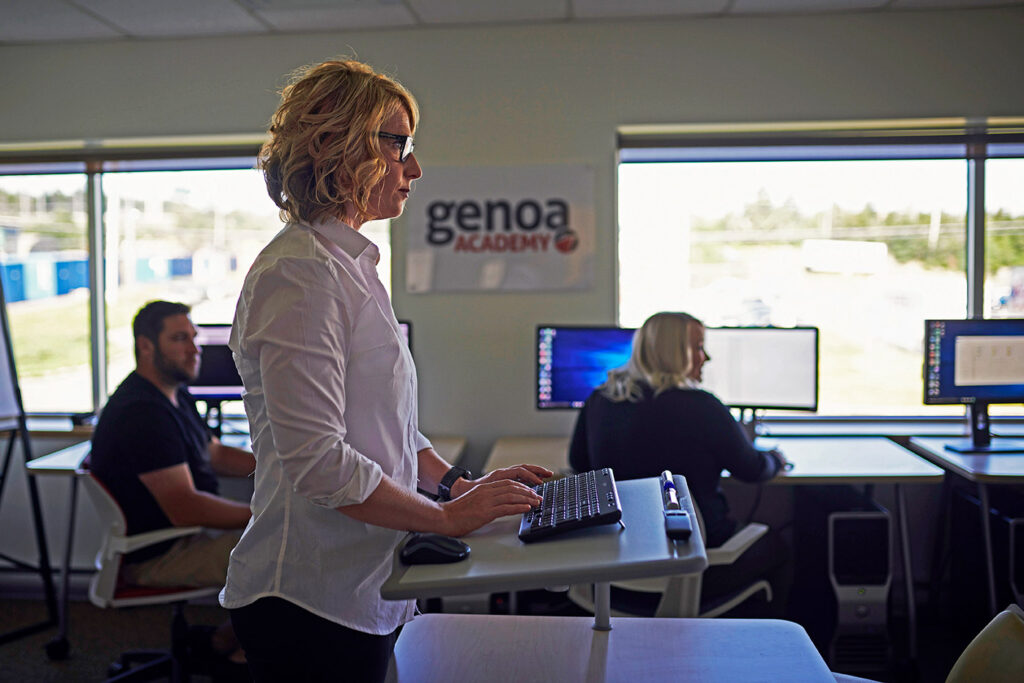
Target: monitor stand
981	441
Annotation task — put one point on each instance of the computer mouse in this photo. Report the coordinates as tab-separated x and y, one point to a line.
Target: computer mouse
422	548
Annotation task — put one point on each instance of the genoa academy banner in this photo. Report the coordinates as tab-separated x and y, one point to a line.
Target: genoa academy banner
501	229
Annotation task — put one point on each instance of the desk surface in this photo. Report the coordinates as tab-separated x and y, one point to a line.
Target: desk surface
851	460
816	460
1006	468
66	461
499	561
520	648
549	452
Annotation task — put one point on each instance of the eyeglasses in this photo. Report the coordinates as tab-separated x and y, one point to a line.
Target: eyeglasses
403	143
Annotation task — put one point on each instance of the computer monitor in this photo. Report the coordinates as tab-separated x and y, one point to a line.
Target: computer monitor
572	361
218	377
975	362
752	367
763	368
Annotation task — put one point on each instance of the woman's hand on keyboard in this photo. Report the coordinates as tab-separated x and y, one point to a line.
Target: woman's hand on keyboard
531	475
485	502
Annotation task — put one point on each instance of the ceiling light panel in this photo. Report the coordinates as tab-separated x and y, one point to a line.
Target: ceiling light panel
496	11
330	15
599	9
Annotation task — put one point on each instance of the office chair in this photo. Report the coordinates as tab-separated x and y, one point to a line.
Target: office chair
996	655
106	590
680	594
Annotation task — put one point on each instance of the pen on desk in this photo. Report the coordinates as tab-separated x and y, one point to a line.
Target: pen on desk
669	488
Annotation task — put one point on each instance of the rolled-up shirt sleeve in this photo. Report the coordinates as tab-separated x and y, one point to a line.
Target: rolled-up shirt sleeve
297	337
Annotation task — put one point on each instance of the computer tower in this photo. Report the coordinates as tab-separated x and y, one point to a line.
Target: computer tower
860	559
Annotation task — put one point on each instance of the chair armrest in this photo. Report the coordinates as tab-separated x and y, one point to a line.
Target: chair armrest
728	552
127	544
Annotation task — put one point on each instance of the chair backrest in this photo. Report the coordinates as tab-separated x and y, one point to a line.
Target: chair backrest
105	589
103	586
996	654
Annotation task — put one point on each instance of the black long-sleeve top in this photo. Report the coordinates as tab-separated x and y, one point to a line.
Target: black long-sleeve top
687	431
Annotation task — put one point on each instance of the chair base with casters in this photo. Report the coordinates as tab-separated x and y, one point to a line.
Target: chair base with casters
680	595
106	590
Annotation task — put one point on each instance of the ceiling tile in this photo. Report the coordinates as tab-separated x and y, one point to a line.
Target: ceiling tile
161	18
45	20
596	9
478	11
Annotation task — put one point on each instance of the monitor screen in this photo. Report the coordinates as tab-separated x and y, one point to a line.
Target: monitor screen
974	361
763	367
218	377
752	367
571	361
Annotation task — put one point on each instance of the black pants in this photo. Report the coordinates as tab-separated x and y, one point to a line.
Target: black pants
285	643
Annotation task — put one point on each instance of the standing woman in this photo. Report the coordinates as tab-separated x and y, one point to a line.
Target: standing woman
331	395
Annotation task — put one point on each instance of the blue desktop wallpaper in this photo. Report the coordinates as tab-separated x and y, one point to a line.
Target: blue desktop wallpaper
572	361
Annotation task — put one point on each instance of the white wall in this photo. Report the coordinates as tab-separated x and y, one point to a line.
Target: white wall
546	93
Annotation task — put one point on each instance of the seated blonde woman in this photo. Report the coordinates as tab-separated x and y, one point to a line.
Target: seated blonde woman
651	415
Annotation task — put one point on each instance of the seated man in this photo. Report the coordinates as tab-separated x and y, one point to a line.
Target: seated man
155	455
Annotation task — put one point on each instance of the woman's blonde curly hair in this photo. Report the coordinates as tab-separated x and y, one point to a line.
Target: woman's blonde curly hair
323	150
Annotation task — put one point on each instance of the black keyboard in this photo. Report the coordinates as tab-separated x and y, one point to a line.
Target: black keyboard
574	502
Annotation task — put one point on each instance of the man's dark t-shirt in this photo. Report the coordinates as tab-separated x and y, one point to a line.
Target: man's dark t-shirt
140	431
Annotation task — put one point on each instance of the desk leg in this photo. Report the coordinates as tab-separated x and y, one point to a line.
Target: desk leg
986	531
908	573
602	606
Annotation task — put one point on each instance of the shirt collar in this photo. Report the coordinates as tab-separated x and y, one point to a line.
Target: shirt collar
348	239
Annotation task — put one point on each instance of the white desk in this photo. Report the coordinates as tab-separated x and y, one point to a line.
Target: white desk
499	561
451	647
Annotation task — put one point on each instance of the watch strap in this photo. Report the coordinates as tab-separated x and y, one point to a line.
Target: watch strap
444	489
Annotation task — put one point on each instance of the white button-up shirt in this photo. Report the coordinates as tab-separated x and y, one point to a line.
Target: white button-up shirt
330	393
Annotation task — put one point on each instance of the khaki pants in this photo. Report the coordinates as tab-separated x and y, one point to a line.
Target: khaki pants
198	560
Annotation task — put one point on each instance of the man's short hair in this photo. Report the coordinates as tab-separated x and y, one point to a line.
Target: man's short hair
149	321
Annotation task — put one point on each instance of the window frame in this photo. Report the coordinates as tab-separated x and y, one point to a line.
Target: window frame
956	138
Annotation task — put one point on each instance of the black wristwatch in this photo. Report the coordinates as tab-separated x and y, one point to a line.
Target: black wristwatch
444	489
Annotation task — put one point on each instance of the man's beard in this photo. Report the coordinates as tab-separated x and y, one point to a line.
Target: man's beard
171	371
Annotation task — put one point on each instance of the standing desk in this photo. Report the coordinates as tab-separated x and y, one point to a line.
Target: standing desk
983	469
507	648
499	561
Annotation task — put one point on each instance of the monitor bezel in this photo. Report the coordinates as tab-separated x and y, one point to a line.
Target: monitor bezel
959	401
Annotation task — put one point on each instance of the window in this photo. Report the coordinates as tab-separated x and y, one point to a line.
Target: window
178	229
45	273
863	241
